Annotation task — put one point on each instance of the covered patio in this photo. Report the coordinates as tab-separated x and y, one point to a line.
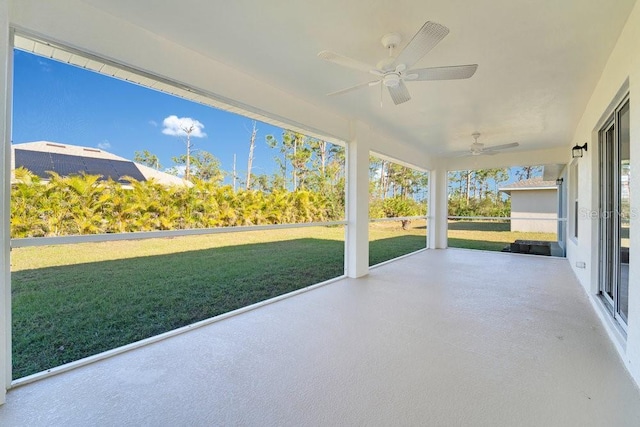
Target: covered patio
440	337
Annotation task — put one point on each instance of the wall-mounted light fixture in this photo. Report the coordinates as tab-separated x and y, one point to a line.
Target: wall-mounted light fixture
559	181
577	150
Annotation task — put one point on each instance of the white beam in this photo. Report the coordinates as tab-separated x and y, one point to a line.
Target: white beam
6	56
357	235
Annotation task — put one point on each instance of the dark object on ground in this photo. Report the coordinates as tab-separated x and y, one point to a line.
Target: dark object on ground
532	247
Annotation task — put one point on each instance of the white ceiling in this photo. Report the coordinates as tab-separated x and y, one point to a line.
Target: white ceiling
538	60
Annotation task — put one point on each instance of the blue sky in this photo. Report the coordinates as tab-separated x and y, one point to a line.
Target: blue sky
65	104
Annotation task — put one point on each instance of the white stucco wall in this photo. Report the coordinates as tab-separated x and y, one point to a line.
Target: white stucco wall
620	76
529	204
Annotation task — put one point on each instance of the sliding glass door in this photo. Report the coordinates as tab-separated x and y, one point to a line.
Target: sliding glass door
615	213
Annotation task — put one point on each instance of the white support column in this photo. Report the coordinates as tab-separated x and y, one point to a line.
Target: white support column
438	204
357	236
6	57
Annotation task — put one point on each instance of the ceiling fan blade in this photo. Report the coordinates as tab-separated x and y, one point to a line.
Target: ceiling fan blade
464	153
425	39
345	61
500	147
444	73
399	93
352	88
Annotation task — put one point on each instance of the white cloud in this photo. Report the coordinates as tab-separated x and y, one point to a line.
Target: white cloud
44	66
175	126
377	174
104	145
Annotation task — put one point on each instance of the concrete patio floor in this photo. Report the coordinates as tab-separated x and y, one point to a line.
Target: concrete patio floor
440	338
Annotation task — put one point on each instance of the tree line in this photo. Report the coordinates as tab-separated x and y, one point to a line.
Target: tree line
307	186
475	192
396	190
307	163
303	163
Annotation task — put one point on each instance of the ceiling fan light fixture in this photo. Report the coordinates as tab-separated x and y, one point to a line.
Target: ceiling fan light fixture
391	80
476	147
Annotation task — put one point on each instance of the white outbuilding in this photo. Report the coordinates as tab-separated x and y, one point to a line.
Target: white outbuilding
534	205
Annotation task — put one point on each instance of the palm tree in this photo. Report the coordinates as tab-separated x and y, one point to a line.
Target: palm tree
84	206
26	198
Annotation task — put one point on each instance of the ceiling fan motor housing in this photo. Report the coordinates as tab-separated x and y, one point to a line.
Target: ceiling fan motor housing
391	40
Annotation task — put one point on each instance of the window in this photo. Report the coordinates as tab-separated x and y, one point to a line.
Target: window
615	213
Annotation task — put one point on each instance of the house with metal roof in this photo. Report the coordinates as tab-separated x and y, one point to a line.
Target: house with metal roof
43	157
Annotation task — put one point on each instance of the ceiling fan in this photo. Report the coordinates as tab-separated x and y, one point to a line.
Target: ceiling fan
478	148
392	72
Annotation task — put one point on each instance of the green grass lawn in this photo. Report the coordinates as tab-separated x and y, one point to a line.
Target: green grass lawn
73	301
488	235
387	240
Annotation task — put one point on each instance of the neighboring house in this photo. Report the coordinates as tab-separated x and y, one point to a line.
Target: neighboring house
41	157
530	199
